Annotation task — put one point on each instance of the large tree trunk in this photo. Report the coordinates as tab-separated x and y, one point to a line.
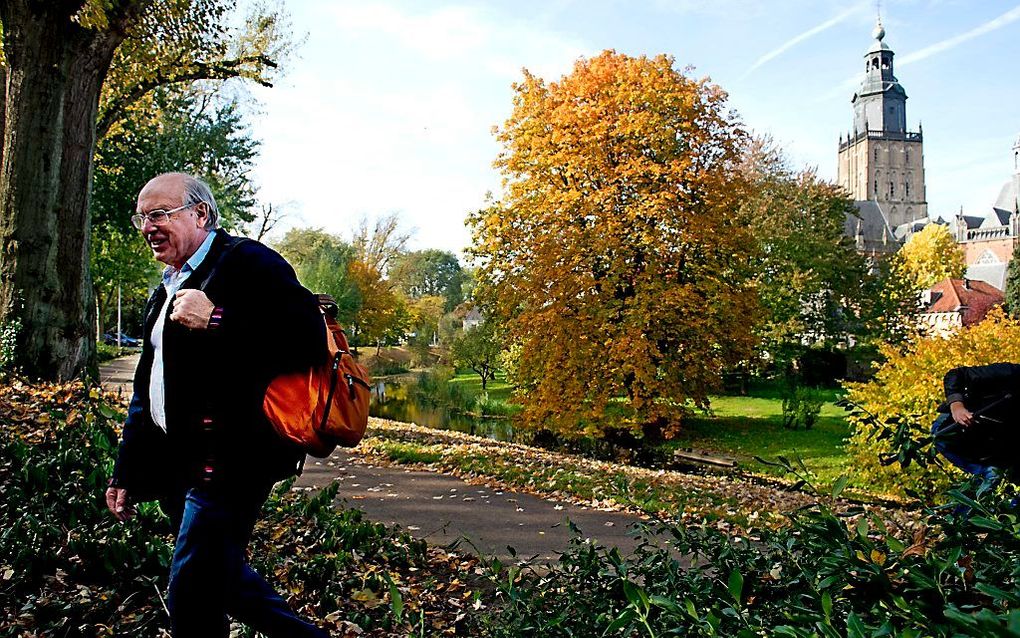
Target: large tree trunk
55	70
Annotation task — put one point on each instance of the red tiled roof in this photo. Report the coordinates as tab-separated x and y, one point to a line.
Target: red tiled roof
974	298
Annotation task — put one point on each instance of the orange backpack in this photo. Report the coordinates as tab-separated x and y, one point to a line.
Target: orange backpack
325	406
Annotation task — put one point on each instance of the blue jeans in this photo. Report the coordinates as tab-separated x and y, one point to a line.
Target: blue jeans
961	450
210	578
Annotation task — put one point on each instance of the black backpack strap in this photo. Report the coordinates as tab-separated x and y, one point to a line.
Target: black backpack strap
232	243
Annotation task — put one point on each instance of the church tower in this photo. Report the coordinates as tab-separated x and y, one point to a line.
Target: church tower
880	161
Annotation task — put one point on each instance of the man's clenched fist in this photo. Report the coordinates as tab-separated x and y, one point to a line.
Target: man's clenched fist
118	503
192	309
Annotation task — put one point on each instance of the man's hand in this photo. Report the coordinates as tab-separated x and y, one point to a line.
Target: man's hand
192	309
118	504
961	415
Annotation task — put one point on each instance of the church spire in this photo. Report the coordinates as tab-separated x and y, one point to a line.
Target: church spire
880	102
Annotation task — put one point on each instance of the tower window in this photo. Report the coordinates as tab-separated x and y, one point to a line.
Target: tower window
906	188
876	188
892	190
907	153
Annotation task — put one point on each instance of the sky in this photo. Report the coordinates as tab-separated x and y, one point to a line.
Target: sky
389	105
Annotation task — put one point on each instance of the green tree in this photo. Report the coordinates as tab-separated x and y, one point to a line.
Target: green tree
67	65
810	279
193	131
1013	285
322	262
424	315
479	349
432	272
614	254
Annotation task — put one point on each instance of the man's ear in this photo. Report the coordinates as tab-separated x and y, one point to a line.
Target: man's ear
202	213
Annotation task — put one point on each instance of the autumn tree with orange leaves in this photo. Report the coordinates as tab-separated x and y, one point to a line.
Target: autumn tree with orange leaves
613	253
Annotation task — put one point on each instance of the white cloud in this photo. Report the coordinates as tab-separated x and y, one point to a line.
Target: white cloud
391	109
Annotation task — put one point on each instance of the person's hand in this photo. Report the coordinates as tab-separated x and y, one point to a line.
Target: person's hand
192	309
961	415
118	503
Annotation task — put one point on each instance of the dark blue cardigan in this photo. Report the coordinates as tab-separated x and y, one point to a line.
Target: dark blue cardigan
215	379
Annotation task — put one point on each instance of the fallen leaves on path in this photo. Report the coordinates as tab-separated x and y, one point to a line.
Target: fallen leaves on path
729	503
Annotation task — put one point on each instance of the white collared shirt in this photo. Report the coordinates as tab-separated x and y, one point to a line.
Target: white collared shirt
172	280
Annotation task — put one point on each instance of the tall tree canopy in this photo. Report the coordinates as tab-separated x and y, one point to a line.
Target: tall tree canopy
192	131
811	281
614	252
1013	285
928	257
58	58
322	262
432	272
377	244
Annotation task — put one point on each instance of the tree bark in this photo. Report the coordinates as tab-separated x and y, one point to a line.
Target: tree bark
55	69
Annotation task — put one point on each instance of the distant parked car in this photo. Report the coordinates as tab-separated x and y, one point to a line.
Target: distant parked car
130	342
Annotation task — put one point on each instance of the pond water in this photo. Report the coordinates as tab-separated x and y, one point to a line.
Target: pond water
404	398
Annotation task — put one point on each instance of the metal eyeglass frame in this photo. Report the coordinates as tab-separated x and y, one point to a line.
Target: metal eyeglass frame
138	219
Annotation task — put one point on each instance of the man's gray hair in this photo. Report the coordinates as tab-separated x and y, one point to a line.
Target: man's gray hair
195	192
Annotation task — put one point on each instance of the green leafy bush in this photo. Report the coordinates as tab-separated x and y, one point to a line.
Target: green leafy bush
381	367
67	568
801	407
908	387
827	574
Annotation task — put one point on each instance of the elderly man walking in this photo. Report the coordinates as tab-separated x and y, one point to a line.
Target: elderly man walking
229	316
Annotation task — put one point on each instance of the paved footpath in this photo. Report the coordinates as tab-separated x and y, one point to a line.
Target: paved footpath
440	508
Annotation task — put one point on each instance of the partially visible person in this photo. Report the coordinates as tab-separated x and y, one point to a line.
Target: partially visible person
979	428
228	317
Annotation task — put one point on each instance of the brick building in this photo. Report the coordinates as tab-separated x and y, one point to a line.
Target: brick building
881	161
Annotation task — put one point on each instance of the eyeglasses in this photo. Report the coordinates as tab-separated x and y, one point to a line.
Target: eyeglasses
158	217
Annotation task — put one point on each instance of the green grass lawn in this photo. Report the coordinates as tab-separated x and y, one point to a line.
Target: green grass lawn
743	427
498	388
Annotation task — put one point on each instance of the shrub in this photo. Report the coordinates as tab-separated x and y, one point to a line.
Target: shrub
68	569
71	570
908	385
827	575
801	407
106	352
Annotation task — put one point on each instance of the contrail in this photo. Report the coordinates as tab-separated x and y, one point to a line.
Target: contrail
933	49
996	23
813	31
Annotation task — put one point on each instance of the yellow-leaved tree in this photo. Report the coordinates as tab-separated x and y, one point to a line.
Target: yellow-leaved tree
909	385
927	258
613	252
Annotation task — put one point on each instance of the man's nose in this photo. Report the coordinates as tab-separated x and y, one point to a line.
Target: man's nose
147	226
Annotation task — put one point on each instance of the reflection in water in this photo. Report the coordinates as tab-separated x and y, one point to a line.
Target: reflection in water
393	398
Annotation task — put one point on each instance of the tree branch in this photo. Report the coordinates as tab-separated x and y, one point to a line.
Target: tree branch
219	70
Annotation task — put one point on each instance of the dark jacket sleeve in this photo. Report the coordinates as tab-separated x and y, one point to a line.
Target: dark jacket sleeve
965	382
138	466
